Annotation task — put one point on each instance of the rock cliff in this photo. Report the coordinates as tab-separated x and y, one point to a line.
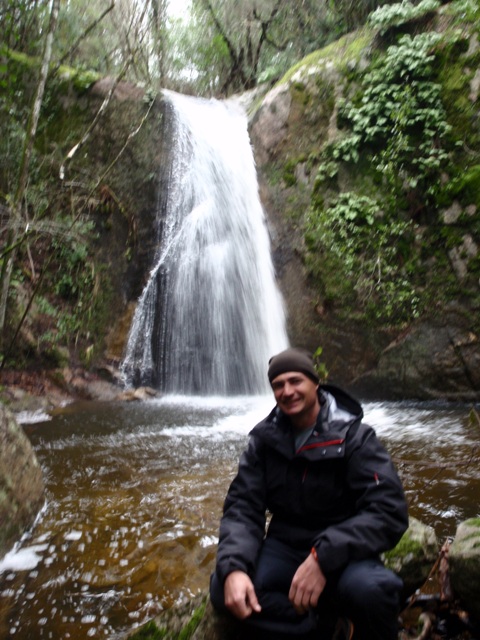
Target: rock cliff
396	315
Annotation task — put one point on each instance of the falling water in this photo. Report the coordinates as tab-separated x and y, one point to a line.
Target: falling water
210	315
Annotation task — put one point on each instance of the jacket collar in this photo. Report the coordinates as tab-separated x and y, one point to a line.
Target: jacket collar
338	411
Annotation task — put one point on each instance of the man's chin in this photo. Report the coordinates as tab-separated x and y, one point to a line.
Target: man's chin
292	409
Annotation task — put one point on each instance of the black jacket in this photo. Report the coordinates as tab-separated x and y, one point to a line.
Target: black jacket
339	492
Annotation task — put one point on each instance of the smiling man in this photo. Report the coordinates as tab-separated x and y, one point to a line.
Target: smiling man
336	504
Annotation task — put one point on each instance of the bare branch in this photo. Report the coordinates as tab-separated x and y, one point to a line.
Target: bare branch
98	115
7	266
131	135
222	32
265	25
82	36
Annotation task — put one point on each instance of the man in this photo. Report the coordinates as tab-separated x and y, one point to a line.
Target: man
336	504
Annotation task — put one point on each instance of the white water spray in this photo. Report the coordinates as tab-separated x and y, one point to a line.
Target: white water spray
210	315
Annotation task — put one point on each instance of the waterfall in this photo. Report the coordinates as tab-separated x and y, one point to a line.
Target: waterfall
210	315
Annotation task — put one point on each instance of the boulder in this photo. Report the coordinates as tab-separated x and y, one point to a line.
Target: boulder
438	359
464	563
414	556
21	482
413	559
194	619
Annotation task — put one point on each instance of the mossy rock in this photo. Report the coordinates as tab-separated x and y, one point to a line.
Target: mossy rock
464	563
414	556
22	490
412	559
195	619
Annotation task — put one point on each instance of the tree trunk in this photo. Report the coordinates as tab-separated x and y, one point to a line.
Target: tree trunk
16	206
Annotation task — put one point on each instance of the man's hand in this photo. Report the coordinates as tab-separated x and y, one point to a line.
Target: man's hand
307	585
240	596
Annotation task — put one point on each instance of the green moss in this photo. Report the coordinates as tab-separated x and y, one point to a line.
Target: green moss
298	86
300	94
406	546
187	632
151	630
466	186
289	177
473	522
80	80
455	89
273	173
341	52
464	11
21	58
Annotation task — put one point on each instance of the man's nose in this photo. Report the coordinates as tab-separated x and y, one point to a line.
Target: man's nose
288	389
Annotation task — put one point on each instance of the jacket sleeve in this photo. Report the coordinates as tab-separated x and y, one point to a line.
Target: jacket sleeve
242	527
380	514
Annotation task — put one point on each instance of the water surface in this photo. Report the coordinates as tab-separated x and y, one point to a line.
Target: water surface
134	496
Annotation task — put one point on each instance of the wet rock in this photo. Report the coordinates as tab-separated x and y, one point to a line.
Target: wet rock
21	481
461	256
439	359
140	393
195	619
414	556
464	562
270	122
88	386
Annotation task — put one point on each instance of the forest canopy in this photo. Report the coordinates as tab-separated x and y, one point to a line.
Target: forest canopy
205	47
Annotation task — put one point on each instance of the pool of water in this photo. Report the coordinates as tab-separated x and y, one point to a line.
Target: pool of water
135	492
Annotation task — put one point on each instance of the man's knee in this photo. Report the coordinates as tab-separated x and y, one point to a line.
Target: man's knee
369	584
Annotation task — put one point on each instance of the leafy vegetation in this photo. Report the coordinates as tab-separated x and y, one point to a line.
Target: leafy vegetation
396	131
399	117
153	631
399	13
367	250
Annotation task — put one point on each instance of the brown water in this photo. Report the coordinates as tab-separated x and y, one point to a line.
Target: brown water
134	495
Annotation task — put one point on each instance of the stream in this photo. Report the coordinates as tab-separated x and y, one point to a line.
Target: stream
134	496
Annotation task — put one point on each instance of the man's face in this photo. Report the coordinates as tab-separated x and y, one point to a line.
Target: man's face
296	395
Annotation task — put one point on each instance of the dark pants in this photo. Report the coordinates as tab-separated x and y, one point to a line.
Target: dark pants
365	591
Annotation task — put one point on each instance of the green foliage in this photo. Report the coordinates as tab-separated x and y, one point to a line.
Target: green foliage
320	366
367	251
22	23
151	631
373	254
391	15
465	10
399	117
342	52
74	282
466	186
73	274
289	176
189	629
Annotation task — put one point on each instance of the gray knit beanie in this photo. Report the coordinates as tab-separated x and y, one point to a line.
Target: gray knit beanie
292	360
